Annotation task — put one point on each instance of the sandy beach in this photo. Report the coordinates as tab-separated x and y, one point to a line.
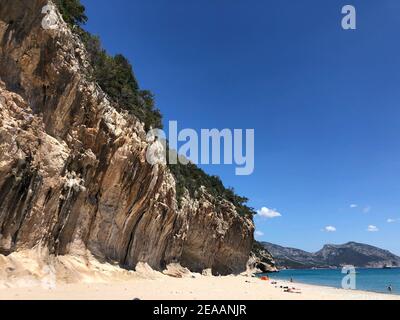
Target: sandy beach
202	288
36	275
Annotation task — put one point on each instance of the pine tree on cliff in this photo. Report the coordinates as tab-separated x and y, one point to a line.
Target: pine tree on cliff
73	11
114	74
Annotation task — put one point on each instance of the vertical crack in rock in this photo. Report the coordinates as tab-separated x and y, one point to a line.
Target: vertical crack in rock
73	170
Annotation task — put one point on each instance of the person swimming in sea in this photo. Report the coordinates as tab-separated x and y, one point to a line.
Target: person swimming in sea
390	288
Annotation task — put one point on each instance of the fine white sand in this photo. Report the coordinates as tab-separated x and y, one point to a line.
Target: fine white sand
25	276
202	288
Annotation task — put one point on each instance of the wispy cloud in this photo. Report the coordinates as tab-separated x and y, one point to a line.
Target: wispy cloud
329	229
372	228
268	213
367	209
259	233
390	220
353	205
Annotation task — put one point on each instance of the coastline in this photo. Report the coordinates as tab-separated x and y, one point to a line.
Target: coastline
164	287
366	283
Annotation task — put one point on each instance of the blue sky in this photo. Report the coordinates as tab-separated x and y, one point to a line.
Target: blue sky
324	102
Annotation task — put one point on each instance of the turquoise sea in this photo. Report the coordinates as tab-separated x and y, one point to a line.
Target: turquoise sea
376	280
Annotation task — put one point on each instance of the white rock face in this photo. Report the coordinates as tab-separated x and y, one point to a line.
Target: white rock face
73	170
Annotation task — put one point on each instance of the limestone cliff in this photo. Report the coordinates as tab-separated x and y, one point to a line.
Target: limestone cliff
73	173
261	260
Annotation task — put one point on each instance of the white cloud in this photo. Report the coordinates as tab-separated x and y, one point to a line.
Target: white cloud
259	233
392	220
353	206
330	229
367	209
372	228
268	213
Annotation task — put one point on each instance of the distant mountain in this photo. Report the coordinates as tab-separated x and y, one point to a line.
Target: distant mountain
333	256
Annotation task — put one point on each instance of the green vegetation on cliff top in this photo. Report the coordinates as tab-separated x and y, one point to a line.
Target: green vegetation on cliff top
115	76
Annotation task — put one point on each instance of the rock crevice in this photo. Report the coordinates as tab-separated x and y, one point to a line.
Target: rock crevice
73	171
